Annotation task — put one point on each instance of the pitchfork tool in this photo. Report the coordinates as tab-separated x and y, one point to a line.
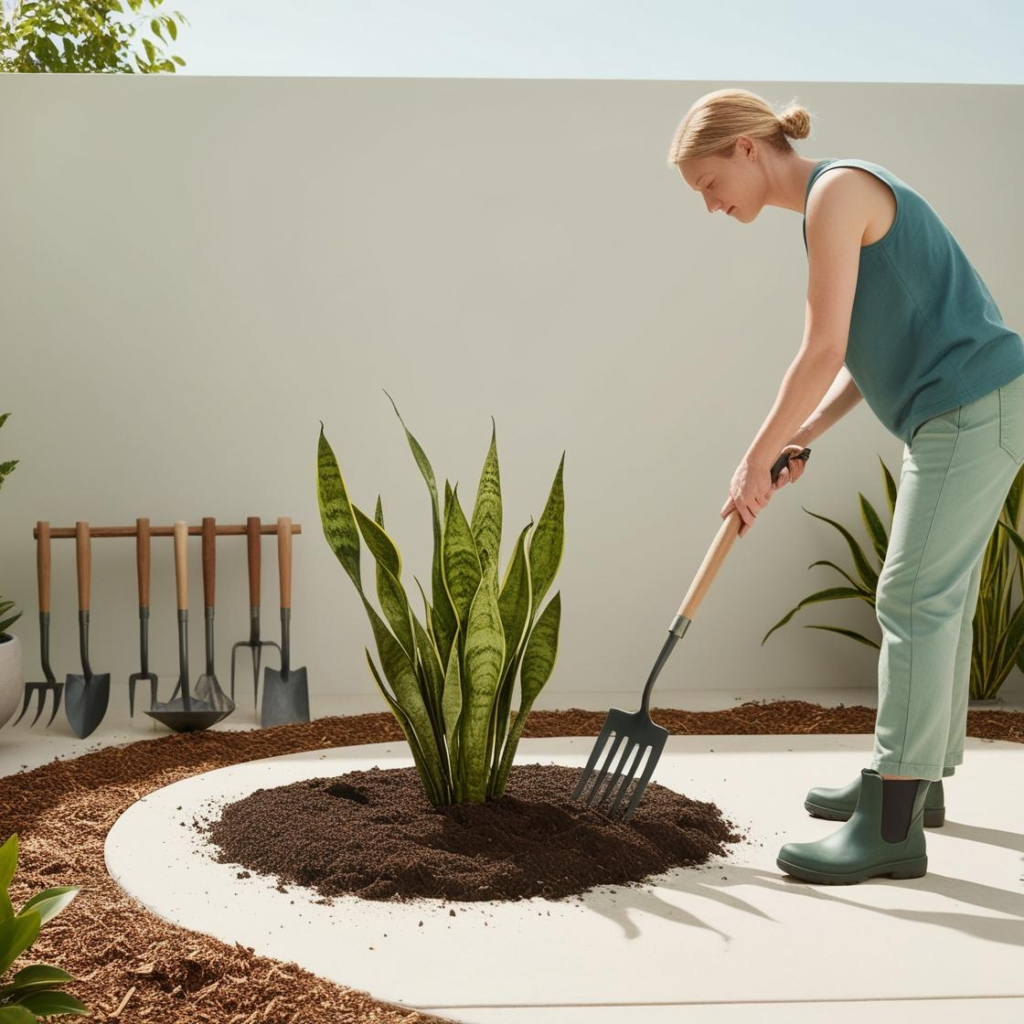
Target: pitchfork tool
635	732
252	529
142	558
52	685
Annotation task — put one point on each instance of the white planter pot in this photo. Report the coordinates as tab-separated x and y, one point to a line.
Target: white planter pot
12	676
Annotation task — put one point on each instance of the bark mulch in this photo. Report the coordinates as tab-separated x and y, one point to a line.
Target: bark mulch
131	966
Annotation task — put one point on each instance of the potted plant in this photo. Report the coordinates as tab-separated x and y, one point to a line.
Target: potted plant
12	677
998	643
452	675
31	990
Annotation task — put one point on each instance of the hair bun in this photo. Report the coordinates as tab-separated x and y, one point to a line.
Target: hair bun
796	123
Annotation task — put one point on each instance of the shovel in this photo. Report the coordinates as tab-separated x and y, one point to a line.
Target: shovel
142	558
636	731
185	713
52	685
86	695
285	692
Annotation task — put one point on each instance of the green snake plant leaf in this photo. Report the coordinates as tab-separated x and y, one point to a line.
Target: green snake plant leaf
443	613
539	659
401	673
452	702
485	522
434	791
484	657
46	1003
16	935
336	514
824	561
393	600
548	540
433	674
460	561
847	632
873	525
868	575
832	594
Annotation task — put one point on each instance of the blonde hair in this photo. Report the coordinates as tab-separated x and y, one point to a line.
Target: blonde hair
716	120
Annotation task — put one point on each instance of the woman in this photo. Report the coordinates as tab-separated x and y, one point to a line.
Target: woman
896	313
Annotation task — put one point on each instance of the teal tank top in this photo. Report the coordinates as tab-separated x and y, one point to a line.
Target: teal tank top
925	334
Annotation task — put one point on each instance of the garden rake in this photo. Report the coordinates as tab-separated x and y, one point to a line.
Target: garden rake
636	732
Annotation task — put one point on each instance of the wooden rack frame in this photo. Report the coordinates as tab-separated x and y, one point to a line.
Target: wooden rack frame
61	532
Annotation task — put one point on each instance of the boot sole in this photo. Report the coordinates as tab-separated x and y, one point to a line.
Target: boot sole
934	817
901	869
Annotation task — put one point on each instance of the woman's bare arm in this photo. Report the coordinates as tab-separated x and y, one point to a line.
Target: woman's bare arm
840	398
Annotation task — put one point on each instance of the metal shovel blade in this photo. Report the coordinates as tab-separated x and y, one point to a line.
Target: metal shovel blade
634	735
86	701
199	715
285	700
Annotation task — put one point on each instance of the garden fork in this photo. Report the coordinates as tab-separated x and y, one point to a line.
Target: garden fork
252	529
51	684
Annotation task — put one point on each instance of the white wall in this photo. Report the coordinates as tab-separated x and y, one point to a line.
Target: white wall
198	270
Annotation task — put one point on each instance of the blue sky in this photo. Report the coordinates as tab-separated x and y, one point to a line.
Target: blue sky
734	40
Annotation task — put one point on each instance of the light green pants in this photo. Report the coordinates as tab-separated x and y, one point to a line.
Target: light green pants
957	471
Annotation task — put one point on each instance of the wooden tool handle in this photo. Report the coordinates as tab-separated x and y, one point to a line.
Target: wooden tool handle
181	562
43	564
727	533
284	558
142	558
252	528
209	559
83	556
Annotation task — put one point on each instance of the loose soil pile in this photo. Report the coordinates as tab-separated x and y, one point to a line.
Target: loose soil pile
374	834
132	966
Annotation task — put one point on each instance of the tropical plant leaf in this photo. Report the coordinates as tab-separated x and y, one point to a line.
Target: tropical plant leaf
32	977
16	1015
831	594
50	902
858	586
869	577
46	1003
890	489
876	532
16	935
8	861
451	704
848	632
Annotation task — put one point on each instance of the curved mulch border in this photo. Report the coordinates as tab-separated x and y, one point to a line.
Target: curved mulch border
131	965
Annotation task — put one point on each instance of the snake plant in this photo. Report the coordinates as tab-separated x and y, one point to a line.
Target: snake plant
452	676
31	990
998	621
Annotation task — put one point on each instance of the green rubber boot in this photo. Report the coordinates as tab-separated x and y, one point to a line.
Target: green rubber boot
860	849
838	804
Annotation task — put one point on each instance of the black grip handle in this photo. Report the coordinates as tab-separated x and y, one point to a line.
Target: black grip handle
784	458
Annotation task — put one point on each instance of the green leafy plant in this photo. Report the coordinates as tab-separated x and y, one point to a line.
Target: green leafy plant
998	642
91	38
31	991
6	468
453	675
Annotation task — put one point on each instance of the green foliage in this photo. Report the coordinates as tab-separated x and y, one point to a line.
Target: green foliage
6	468
452	678
998	642
85	36
30	992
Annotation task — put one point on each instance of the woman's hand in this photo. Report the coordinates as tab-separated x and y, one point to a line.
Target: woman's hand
751	487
